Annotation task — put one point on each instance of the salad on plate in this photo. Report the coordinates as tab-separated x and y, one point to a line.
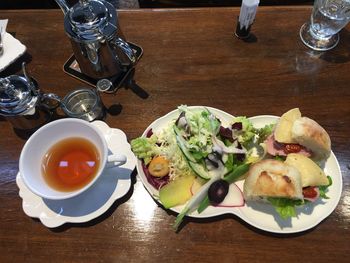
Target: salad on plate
196	158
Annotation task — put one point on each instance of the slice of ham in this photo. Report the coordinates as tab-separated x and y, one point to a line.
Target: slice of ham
275	148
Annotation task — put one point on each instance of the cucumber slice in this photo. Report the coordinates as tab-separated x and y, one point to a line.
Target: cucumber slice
177	131
183	148
200	170
181	143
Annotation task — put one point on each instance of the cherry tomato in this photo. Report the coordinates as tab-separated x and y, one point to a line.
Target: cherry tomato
309	192
292	148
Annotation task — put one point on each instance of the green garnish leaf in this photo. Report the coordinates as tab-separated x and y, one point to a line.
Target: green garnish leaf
280	158
264	132
285	207
323	188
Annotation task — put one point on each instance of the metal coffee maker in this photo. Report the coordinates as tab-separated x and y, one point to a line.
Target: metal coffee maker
97	41
23	104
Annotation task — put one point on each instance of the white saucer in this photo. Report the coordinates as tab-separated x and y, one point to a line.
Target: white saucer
113	184
13	49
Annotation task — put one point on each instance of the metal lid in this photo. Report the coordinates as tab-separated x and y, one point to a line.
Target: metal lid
92	19
15	95
104	85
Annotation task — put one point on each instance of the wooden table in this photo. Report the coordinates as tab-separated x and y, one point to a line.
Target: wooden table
192	57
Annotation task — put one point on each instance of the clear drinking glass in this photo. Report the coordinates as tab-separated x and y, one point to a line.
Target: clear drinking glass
327	19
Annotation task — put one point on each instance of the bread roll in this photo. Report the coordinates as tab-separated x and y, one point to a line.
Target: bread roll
311	174
311	135
283	130
272	178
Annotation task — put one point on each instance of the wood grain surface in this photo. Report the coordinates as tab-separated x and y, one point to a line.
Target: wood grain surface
192	57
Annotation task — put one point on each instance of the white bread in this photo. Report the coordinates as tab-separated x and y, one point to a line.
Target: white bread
272	178
311	135
311	174
292	128
283	130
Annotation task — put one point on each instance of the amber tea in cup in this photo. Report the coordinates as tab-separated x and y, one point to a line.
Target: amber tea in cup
81	148
70	164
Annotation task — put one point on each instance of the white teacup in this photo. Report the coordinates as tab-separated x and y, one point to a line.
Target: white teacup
33	152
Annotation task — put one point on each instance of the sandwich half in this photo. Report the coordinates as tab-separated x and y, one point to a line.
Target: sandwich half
286	185
272	178
296	134
313	179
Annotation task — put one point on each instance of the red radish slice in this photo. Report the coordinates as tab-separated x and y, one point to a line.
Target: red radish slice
197	184
234	197
193	188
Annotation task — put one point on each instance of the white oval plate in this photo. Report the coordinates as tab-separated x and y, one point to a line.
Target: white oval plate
260	215
113	184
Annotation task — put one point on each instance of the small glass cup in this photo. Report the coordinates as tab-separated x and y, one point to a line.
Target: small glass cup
84	104
328	17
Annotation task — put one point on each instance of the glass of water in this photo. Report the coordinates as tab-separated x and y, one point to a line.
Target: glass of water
327	19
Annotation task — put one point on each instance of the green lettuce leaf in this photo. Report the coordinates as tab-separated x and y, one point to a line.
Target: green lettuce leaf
248	132
202	126
285	207
264	132
144	148
280	158
323	188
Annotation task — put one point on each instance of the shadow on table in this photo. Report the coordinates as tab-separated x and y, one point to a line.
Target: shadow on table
251	39
341	53
310	60
306	209
241	221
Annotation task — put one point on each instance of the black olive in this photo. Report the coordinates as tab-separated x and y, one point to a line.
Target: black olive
218	191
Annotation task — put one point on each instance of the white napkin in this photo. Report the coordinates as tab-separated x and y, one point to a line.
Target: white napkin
3	25
12	48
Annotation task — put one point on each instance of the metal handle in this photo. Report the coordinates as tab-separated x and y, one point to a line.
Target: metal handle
127	50
124	46
8	88
63	5
50	97
34	89
83	2
5	84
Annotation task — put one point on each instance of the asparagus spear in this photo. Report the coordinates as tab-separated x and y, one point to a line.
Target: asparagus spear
195	200
201	197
